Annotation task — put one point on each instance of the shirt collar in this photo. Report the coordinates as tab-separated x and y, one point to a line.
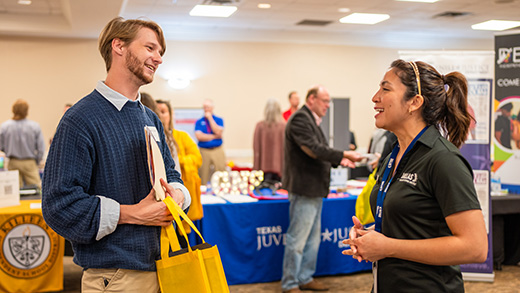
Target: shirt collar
317	118
117	99
430	136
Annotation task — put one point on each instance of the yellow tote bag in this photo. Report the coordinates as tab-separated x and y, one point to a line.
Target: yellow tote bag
363	211
193	269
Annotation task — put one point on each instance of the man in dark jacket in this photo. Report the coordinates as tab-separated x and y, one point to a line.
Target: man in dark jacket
308	160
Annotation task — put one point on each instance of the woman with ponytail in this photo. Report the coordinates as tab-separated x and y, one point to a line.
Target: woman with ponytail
190	161
427	214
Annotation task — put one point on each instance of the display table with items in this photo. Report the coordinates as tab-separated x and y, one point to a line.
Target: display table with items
31	254
506	232
250	236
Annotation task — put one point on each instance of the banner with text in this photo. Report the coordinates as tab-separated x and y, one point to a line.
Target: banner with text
506	111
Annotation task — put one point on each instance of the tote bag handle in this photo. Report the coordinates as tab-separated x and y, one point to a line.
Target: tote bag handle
177	213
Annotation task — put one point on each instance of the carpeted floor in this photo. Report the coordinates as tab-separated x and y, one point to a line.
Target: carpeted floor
506	281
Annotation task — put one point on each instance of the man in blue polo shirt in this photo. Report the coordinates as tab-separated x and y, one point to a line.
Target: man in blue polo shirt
208	131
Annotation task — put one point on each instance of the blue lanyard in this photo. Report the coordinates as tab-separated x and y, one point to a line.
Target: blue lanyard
388	170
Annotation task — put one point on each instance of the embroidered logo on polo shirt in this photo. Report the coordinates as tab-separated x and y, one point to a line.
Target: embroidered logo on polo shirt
410	178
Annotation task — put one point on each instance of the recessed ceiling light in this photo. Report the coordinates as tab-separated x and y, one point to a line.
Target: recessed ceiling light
344	10
179	82
213	10
495	25
422	1
24	2
264	5
364	18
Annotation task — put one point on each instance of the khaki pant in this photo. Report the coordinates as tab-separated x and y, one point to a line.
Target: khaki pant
28	171
119	280
211	157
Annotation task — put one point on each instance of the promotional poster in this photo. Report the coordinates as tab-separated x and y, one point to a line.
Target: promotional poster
506	111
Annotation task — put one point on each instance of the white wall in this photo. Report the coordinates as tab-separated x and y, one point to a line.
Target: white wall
239	77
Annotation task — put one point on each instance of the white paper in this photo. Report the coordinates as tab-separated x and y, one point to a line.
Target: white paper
36	205
356	183
210	199
155	162
9	189
338	176
481	181
238	198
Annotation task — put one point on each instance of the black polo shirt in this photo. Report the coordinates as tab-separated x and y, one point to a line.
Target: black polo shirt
432	182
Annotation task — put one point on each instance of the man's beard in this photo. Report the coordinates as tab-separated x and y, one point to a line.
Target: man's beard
137	68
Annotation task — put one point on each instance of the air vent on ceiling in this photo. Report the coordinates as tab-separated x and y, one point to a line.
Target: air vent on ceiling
314	22
451	14
220	2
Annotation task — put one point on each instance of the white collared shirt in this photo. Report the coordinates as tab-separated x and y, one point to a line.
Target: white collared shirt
117	99
317	118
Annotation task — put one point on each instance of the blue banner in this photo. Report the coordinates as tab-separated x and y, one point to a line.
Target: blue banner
251	238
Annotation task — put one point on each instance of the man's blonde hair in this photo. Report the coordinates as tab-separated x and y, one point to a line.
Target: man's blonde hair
126	31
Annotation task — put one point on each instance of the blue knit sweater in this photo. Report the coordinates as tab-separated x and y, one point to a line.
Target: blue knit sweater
98	150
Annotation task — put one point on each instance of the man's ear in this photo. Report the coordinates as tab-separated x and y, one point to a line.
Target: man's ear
311	99
117	46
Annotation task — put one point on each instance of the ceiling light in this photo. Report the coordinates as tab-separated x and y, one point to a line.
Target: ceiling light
495	25
24	2
264	5
422	1
213	10
344	10
364	18
179	82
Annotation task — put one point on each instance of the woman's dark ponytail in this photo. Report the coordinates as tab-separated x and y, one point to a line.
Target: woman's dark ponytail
457	118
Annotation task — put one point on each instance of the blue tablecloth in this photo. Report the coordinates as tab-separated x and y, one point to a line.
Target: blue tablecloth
251	236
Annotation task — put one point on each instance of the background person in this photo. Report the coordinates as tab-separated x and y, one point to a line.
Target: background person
428	218
503	126
190	161
96	185
22	142
353	145
381	145
208	131
306	176
515	136
294	102
149	102
268	142
65	108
